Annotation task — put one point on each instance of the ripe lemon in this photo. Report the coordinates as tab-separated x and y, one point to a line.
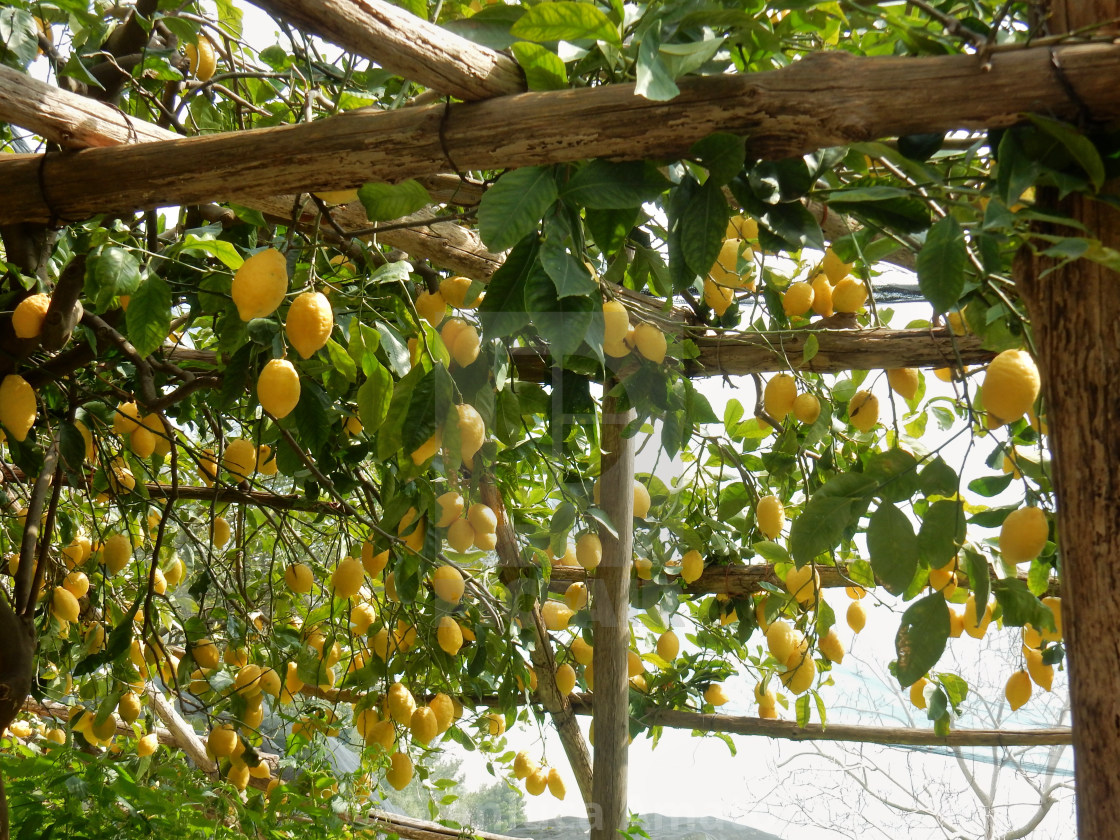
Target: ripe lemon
781	639
447	582
641	500
770	515
801	672
266	461
524	766
497	722
723	270
779	395
822	295
863	411
361	617
400	703
374	563
17	406
832	647
222	740
206	654
565	679
147	745
943	581
715	695
457	292
432	307
536	782
849	295
142	442
399	773
116	553
203	59
424	726
449	635
589	550
1041	674
797	300
556	784
904	382
76	583
616	323
466	347
692	566
260	284
428	448
743	227
239	458
278	388
807	408
336	197
444	709
309	324
651	342
956	623
856	616
219	532
482	518
27	319
1011	385
668	646
450	508
247	683
556	615
1055	605
575	596
1018	689
718	298
643	568
460	535
1023	535
582	652
126	419
803	584
973	625
918	693
347	578
299	578
472	432
64	605
835	268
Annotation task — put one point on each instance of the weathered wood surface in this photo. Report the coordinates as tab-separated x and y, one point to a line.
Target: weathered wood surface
404	44
825	100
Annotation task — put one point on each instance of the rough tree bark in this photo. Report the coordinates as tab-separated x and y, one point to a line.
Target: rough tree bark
1075	316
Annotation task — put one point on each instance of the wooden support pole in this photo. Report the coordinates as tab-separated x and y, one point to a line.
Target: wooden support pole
610	613
827	99
402	43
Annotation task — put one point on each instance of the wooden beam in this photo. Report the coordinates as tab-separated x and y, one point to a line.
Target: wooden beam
826	99
610	620
402	43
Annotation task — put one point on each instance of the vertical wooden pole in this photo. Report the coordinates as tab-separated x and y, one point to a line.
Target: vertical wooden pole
1075	318
611	623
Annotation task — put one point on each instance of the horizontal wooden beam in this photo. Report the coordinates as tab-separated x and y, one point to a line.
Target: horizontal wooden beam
404	44
828	99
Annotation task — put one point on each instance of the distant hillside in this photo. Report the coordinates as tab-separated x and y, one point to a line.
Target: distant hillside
656	825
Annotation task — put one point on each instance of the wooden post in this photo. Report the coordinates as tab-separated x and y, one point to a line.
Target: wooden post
610	611
1075	317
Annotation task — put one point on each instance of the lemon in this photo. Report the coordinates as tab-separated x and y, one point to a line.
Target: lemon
361	617
589	550
616	322
460	535
428	448
347	578
497	722
374	563
537	782
723	270
556	615
400	703
582	652
219	532
831	646
806	408
203	59
126	419
779	395
309	324
918	693
278	388
715	695
641	500
222	740
482	518
260	284
206	654
801	671
718	298
64	605
448	584
575	596
27	319
743	227
444	709
781	639
1011	385
956	624
651	342
116	553
1055	605
17	406
692	566
770	515
556	784
863	411
803	584
523	765
565	679
1023	534
668	646
142	442
247	683
449	635
1018	689
76	583
424	726
904	382
472	432
432	307
943	581
128	707
457	292
399	773
797	300
835	268
1042	675
147	745
239	458
849	295
822	295
299	578
976	626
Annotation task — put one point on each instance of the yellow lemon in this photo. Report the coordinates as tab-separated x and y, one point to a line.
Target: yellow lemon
556	615
1041	674
447	581
1023	534
449	635
770	515
616	322
203	59
715	695
641	500
556	784
831	646
278	388
863	411
803	584
260	284
651	342
27	319
299	578
718	298
1018	689
400	771
424	726
822	295
668	646
582	652
589	550
565	679
460	535
800	673
457	292
849	295
918	693
17	406
806	408
797	299
1011	385
467	346
432	307
309	324
779	395
472	432
240	458
904	382
835	268
347	578
692	566
482	518
64	605
400	703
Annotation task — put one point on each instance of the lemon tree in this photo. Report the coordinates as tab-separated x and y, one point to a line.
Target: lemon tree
326	469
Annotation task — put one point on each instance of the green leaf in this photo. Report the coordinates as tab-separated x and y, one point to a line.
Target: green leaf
563	322
654	80
18	35
1080	147
543	68
941	264
569	275
512	208
682	59
364	342
921	638
975	566
502	311
809	351
828	513
311	416
893	547
942	533
148	318
217	248
386	202
110	273
565	21
341	361
896	472
990	485
956	689
606	185
771	552
374	398
609	228
427	407
938	479
389	438
703	227
1020	606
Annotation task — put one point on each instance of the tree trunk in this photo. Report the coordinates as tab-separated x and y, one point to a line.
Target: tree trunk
610	611
1075	316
